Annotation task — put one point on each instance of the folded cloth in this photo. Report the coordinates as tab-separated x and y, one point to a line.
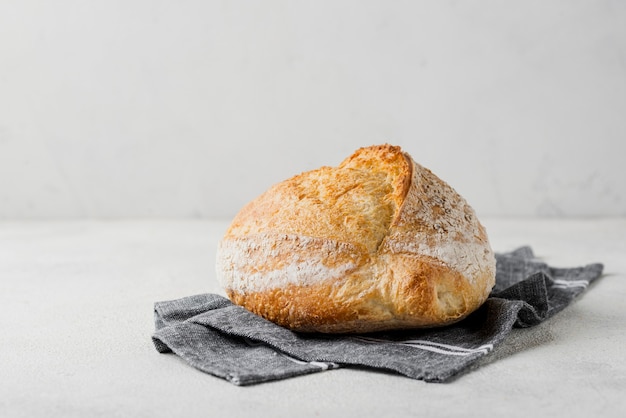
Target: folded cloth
225	340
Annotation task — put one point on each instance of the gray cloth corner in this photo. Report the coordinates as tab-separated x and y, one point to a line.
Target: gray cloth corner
227	341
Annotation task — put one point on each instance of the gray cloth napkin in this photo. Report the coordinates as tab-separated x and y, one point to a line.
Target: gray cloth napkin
225	340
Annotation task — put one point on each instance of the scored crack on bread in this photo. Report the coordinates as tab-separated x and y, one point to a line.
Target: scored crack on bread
377	243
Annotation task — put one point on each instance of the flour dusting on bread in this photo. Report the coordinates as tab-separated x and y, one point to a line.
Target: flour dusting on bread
442	226
295	260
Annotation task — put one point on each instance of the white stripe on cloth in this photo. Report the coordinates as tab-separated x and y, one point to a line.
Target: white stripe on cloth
566	284
320	364
451	350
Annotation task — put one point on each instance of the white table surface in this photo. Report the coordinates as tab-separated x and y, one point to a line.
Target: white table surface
76	319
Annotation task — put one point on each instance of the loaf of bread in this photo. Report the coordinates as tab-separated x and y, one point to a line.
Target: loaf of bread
377	243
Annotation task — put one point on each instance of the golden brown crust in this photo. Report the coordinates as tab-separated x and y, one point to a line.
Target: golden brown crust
377	243
344	308
355	202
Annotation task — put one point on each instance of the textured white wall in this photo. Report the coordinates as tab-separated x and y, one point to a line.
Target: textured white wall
191	108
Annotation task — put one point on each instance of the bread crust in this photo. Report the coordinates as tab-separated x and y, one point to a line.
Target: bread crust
377	243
